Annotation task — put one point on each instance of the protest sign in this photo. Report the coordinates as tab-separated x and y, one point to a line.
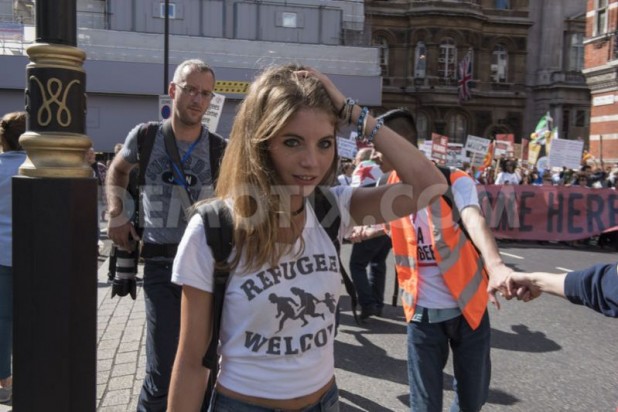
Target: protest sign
346	147
566	153
213	114
475	144
439	148
454	155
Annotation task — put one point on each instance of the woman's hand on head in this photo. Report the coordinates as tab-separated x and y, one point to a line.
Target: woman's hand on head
335	95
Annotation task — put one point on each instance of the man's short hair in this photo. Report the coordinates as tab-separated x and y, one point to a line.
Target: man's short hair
194	65
402	122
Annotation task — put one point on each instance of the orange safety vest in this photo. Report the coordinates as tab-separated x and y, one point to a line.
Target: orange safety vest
461	265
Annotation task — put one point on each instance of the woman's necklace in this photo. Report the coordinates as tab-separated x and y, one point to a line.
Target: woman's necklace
300	210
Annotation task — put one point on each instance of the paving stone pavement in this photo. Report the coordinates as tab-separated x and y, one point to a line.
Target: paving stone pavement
121	353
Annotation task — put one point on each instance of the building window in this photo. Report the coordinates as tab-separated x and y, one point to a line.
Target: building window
171	10
580	118
457	128
289	20
499	64
576	52
383	46
502	4
447	59
600	17
422	129
420	58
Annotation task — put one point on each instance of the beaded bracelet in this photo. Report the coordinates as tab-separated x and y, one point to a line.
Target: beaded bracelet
379	124
361	123
364	131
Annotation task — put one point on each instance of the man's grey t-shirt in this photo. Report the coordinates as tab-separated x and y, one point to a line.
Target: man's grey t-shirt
162	199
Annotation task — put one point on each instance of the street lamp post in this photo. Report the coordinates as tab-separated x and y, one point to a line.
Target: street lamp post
166	46
54	227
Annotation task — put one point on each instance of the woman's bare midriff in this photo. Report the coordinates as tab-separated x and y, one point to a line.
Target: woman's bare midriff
288	405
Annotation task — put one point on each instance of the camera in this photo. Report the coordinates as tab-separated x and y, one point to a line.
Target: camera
123	271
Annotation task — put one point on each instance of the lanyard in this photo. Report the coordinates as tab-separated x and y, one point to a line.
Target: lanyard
178	168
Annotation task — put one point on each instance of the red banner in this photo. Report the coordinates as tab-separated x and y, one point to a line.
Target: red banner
548	212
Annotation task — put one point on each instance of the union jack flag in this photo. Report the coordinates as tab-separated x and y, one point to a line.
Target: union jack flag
464	78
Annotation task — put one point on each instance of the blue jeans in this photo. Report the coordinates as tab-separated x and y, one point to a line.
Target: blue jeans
162	299
221	403
428	350
372	252
6	320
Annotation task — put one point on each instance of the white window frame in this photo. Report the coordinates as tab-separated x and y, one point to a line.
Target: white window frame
576	52
382	44
447	62
499	64
289	20
600	17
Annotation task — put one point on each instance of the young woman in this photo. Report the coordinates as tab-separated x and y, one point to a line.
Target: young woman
12	156
277	327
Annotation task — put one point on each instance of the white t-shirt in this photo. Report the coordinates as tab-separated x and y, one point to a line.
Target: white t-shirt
432	291
507	178
278	324
344	180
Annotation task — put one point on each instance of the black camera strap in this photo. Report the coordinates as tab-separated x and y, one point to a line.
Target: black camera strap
172	151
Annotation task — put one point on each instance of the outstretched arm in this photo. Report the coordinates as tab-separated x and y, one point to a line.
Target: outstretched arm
537	281
189	377
595	287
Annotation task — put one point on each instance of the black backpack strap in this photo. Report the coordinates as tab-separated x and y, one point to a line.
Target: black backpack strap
217	146
327	211
146	136
218	228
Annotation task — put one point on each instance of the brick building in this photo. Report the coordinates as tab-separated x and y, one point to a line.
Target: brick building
601	71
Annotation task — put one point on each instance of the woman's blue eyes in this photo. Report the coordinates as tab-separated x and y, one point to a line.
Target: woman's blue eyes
326	143
323	144
291	142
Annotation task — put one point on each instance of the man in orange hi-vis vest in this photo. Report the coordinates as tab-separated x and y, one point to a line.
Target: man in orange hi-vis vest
445	288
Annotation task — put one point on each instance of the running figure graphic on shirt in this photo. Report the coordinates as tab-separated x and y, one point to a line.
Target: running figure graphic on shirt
307	305
284	308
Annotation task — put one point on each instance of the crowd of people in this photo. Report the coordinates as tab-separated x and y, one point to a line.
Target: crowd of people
592	173
284	271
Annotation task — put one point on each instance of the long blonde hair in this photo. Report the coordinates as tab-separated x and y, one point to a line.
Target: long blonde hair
247	175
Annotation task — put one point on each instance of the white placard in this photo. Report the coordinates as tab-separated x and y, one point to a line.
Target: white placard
213	114
346	147
477	144
566	153
455	155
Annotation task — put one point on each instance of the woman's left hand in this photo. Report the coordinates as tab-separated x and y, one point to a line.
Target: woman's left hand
335	95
